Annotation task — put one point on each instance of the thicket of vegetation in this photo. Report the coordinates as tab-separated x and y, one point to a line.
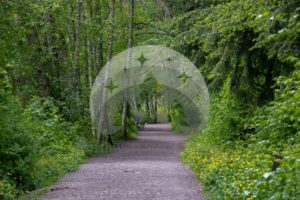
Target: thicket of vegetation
51	52
247	50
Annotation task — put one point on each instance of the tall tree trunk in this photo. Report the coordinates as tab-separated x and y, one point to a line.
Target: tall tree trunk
152	101
103	110
155	109
111	30
89	79
99	54
147	107
130	24
235	74
98	49
88	60
150	106
130	41
77	70
96	61
48	65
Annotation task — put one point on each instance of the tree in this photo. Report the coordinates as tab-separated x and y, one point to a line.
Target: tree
130	41
77	70
103	110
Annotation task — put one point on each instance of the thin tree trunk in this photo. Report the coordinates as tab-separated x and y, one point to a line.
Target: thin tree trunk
124	118
88	60
103	110
76	51
98	49
147	107
69	39
99	52
130	24
45	85
150	106
111	30
235	74
130	41
155	109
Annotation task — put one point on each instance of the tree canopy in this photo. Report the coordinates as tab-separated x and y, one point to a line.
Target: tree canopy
247	51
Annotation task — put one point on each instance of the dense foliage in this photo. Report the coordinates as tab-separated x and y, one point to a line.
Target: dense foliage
247	50
51	52
176	116
37	144
234	157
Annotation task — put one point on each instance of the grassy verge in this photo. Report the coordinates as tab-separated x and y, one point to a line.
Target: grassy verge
243	154
50	169
240	171
39	147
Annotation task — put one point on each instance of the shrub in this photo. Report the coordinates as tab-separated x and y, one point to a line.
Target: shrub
16	147
37	144
56	141
177	116
234	160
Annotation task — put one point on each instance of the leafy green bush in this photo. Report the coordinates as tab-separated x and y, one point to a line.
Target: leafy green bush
176	115
37	144
280	120
131	128
55	139
239	165
7	189
16	147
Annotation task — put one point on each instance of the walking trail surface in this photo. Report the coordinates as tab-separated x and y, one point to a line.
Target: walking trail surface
147	168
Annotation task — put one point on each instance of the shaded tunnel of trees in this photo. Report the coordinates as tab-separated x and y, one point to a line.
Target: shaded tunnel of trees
247	51
152	68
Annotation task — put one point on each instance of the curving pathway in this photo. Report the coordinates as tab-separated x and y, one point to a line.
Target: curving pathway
144	169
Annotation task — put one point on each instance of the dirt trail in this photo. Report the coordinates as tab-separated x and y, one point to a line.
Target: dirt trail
144	169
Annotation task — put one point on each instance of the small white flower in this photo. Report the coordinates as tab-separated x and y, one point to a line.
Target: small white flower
282	30
267	174
260	16
272	18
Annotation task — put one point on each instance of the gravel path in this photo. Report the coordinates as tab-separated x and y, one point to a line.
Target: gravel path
144	169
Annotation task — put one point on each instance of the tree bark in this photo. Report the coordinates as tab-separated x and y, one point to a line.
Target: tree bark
147	107
77	71
111	30
130	24
98	48
130	41
103	110
89	60
155	109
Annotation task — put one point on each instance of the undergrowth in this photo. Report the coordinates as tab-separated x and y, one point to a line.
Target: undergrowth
246	154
